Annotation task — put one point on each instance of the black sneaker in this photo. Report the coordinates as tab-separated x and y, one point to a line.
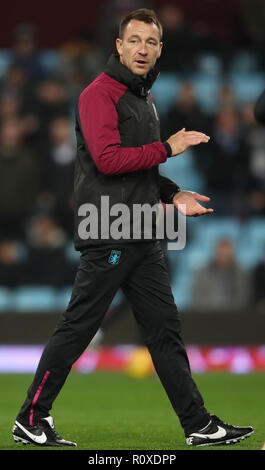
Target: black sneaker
218	432
43	434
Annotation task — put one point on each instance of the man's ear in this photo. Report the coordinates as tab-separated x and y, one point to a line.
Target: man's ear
119	45
160	50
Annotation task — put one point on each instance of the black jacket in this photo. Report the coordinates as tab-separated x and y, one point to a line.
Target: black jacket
118	151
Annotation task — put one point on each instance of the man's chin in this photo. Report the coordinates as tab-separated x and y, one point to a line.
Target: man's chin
141	73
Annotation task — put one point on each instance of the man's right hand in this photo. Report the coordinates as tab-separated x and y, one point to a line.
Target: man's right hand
182	140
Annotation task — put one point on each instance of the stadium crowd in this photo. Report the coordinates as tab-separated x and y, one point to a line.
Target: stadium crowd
38	92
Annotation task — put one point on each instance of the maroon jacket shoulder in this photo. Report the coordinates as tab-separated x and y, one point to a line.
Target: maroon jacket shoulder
98	115
103	84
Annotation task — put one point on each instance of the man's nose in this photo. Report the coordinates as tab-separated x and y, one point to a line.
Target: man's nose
143	49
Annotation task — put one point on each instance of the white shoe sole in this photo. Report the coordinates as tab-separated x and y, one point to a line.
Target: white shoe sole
25	441
228	441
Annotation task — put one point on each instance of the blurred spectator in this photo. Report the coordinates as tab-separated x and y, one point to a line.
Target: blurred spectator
52	100
222	285
15	83
58	160
252	14
16	100
112	13
227	98
181	42
255	136
11	268
228	168
25	53
46	263
259	286
82	61
19	179
185	112
11	106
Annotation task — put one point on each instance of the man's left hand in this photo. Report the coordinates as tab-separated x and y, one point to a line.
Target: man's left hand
190	199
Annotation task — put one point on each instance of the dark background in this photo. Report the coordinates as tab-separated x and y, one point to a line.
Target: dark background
57	21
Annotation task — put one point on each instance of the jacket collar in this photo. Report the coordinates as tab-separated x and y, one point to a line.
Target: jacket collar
139	85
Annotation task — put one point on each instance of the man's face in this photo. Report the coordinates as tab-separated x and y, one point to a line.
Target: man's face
140	47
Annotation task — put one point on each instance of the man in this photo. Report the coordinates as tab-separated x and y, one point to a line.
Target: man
119	151
222	285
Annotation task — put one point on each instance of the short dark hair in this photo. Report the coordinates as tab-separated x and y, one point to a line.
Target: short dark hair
142	14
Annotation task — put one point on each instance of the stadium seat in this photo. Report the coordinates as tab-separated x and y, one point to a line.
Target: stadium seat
199	255
181	289
165	91
182	170
209	64
211	230
244	62
251	245
5	58
174	164
206	89
255	230
247	87
62	298
71	254
32	298
51	60
5	299
249	256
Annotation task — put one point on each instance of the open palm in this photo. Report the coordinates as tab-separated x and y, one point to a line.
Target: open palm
189	199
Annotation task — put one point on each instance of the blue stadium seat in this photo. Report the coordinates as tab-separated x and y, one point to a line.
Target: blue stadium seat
51	60
5	299
206	89
247	87
165	90
211	230
167	86
244	62
182	170
183	162
181	289
5	59
251	246
210	64
249	256
255	230
248	239
71	254
199	255
32	298
62	298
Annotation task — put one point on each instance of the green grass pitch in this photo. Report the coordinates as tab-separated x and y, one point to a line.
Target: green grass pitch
109	410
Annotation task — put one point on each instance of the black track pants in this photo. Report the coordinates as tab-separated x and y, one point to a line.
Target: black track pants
140	270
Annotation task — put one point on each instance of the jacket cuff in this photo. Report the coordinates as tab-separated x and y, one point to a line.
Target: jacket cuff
168	149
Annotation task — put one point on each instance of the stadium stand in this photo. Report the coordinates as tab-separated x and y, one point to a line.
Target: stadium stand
247	80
